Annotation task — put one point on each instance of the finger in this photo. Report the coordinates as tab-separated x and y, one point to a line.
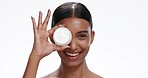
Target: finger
65	47
34	25
40	21
60	48
45	23
51	31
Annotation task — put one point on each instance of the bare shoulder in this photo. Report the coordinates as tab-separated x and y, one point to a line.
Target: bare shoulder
93	75
55	75
52	75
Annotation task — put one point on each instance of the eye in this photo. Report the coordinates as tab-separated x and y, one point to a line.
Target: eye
82	36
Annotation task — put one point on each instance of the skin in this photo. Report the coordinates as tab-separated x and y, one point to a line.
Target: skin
82	38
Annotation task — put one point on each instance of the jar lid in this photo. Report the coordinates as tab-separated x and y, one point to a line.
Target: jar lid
62	36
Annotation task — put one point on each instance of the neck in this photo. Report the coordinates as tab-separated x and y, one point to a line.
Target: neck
80	71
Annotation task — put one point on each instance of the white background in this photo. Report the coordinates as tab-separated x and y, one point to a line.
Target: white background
120	48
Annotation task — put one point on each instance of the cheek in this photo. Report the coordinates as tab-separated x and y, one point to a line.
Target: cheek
84	43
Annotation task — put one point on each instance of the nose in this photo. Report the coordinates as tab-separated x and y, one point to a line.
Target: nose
73	45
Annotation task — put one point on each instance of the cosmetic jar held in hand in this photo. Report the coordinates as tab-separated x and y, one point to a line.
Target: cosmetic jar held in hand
62	36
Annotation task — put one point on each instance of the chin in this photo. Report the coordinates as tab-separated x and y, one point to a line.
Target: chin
72	59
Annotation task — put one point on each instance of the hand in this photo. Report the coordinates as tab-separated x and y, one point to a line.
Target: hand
42	47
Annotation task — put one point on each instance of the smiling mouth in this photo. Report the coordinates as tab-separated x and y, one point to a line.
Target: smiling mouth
72	54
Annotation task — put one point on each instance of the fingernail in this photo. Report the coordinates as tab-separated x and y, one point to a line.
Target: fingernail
60	25
48	10
67	46
40	12
48	13
31	17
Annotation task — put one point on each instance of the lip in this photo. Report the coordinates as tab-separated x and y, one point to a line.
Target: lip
72	56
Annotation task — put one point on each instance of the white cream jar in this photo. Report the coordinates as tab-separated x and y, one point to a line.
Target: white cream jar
62	36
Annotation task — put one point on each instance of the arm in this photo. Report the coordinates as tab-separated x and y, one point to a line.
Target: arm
32	66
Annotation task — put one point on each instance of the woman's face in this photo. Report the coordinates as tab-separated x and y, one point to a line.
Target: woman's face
82	37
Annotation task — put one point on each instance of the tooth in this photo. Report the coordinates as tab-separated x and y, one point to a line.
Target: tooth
72	54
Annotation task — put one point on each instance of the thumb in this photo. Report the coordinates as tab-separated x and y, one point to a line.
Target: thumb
60	48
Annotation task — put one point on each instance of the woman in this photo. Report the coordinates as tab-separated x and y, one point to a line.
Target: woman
77	18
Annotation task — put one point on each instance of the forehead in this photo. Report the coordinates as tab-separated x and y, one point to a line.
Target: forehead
76	24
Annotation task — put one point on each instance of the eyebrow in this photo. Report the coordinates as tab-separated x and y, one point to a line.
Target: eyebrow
84	31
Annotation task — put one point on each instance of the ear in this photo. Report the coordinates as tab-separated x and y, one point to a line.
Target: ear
92	36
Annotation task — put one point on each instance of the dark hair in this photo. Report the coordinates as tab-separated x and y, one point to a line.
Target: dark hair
71	9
